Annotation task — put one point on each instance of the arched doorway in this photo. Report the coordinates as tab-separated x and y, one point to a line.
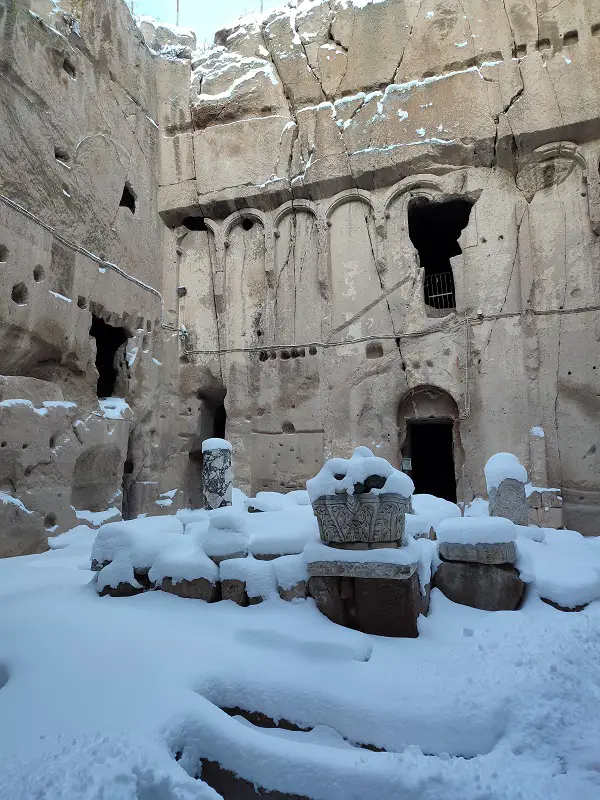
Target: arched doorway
428	437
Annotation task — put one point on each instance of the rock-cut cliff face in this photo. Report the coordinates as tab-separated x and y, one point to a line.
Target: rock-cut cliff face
390	214
329	94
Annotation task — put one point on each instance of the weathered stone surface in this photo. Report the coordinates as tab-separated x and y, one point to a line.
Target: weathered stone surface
316	116
388	607
482	553
490	588
121	590
508	500
327	596
563	608
361	517
21	532
198	589
234	589
217	478
297	592
356	569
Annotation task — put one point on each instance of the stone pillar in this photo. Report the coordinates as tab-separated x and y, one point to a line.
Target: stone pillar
537	457
217	474
508	500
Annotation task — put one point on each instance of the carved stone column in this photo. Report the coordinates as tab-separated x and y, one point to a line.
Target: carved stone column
217	474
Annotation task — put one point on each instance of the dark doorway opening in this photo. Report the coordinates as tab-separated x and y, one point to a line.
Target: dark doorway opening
431	450
108	340
219	422
434	229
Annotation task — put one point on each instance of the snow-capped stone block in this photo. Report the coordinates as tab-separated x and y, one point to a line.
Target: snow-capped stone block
247	581
227	536
506	478
292	577
485	540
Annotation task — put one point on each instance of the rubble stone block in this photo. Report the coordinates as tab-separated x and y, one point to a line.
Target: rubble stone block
508	500
326	592
197	589
490	588
532	516
482	553
550	518
234	589
123	589
297	592
535	500
551	500
387	607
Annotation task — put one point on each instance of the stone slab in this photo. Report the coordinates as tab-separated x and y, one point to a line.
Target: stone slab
482	553
357	569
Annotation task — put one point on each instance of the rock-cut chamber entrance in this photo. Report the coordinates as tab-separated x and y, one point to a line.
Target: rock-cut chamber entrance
431	452
427	420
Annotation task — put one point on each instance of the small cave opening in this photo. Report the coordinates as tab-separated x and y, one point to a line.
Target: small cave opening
108	340
434	230
128	198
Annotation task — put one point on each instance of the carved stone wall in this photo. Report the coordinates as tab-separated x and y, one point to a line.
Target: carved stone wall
320	128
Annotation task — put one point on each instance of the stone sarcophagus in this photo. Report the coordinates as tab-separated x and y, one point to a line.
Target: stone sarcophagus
367	518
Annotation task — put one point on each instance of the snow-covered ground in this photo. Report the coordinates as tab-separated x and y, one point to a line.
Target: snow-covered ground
99	694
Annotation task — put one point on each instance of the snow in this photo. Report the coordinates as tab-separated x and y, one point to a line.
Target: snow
564	567
433	509
290	570
530	489
478	507
357	469
135	543
537	432
259	576
477	530
501	466
215	444
283	532
184	560
317	551
56	294
226	533
8	498
98	694
97	517
113	407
